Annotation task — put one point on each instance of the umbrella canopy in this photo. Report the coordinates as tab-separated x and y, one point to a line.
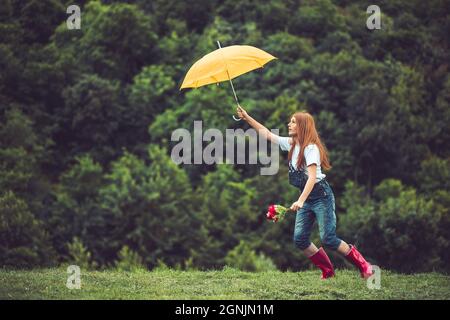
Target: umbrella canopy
225	64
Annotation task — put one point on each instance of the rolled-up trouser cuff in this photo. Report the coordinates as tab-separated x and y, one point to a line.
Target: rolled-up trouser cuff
302	244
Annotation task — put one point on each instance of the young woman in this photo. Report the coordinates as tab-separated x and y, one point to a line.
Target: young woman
307	156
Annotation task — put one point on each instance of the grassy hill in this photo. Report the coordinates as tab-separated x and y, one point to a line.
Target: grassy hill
223	284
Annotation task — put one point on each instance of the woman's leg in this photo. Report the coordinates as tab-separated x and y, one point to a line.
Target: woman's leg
324	210
304	222
311	250
344	248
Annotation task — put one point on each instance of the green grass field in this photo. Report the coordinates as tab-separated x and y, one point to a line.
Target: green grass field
224	284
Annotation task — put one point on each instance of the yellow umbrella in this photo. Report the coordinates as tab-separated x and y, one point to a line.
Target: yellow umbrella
225	64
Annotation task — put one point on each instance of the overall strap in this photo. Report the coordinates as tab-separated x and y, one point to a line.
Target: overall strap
291	167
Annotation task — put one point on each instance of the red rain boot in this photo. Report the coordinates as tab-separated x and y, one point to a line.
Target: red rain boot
321	260
358	260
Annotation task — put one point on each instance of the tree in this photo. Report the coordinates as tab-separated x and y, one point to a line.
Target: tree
149	95
398	231
108	48
440	113
21	156
151	208
40	18
75	212
19	152
24	242
92	117
224	205
316	18
196	14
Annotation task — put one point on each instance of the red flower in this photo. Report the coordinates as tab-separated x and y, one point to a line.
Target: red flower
276	213
272	209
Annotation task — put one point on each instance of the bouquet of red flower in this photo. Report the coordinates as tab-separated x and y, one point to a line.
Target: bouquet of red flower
276	212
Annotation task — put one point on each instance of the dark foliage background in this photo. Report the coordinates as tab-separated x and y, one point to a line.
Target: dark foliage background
86	117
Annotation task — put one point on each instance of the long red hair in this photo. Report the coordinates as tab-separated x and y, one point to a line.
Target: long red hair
307	134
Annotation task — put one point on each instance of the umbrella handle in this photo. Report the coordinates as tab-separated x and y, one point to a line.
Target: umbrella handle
232	87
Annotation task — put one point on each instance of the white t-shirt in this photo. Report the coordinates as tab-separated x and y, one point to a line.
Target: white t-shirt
311	154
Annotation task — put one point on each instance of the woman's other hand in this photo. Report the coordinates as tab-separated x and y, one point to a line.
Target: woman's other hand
296	205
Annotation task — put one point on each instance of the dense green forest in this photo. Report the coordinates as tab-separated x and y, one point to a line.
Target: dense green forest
86	118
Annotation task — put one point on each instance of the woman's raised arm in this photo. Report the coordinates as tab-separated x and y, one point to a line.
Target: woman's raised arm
256	125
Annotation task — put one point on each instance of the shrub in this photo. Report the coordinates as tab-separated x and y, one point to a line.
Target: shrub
79	254
398	231
244	258
129	260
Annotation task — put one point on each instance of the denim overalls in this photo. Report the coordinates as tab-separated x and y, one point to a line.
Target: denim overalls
319	205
